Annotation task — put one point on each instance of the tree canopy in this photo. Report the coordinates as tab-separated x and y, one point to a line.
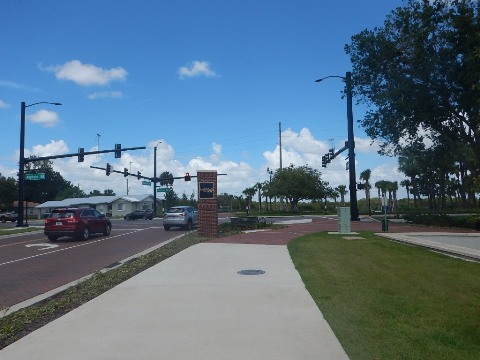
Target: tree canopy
420	74
296	184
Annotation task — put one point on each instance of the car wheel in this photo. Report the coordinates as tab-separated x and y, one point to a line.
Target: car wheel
189	225
84	235
107	230
52	238
4	220
166	227
144	218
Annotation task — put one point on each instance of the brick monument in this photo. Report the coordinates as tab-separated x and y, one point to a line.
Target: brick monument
207	203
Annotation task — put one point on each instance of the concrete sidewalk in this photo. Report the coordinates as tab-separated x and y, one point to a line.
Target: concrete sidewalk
195	305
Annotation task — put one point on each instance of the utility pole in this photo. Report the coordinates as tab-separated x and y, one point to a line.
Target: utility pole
351	151
354	216
280	142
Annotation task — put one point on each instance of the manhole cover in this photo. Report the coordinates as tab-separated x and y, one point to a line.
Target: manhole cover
251	272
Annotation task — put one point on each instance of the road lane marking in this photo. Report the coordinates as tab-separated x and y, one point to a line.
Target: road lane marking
43	246
20	243
65	248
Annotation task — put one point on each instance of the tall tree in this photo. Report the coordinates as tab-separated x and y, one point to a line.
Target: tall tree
342	190
40	191
298	183
259	186
8	192
365	176
406	184
249	193
420	72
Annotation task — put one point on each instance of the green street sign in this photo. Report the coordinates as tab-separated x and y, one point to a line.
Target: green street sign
162	189
146	183
37	176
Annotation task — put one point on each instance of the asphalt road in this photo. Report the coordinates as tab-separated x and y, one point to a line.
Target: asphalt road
31	265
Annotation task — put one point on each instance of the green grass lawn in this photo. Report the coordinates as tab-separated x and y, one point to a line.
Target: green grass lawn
386	300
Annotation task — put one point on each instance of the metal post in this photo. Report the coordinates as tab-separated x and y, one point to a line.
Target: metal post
351	151
21	162
155	181
21	172
351	145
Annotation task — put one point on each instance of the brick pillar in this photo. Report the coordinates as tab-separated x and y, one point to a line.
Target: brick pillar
207	203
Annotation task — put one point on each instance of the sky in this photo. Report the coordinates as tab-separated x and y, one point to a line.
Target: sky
213	84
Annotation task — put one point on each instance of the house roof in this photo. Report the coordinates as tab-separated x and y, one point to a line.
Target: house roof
92	200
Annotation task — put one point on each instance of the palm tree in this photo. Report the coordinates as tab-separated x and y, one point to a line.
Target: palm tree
249	193
342	190
334	195
258	187
382	186
406	183
365	175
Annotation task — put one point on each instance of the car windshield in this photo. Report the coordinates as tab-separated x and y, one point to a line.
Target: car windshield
63	214
176	210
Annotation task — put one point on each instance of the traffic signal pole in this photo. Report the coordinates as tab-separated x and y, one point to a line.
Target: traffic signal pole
354	216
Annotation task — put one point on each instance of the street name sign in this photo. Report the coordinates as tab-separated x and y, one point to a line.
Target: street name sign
37	176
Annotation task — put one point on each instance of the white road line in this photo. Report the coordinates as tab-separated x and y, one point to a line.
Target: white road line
66	248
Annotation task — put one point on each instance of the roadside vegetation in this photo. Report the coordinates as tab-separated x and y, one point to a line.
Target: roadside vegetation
20	323
17	231
385	300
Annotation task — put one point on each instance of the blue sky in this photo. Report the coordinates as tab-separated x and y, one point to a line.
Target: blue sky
210	80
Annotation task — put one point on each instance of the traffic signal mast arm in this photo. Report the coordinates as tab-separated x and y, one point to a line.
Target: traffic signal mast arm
331	155
345	147
138	176
80	154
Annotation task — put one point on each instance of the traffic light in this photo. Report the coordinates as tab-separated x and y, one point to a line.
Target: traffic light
324	161
125	172
187	177
108	170
118	152
139	175
80	154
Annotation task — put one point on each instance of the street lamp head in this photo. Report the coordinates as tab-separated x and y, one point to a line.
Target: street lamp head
331	76
41	102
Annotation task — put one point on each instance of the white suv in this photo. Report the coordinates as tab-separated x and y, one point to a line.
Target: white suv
182	216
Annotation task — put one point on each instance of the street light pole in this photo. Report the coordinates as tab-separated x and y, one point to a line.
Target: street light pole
270	172
354	216
351	151
21	162
155	179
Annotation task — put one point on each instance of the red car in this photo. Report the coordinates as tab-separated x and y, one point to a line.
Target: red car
79	223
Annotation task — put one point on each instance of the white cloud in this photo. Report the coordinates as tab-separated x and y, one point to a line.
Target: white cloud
52	148
105	94
366	145
86	74
196	68
217	152
3	105
298	148
45	117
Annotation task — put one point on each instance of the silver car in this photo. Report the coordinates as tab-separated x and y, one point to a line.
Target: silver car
182	216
